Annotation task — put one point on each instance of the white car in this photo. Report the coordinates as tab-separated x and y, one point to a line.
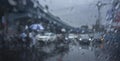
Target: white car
72	36
46	37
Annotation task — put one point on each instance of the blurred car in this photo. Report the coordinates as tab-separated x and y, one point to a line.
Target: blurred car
47	37
98	38
72	36
85	38
109	36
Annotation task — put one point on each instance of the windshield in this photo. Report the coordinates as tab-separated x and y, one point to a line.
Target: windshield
59	30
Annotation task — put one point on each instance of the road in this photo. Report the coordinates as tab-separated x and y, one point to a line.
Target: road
76	53
69	52
64	52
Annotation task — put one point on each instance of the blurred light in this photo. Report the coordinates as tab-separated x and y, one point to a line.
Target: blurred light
12	2
80	39
90	39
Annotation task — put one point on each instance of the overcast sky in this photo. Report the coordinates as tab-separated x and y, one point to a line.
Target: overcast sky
76	12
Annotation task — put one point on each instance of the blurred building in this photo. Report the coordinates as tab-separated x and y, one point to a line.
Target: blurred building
114	15
24	10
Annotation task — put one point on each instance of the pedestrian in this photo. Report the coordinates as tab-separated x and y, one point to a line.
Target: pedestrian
32	38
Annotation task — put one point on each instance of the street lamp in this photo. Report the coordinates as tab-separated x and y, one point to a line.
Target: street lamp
98	22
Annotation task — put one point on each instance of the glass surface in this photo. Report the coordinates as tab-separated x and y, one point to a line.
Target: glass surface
59	30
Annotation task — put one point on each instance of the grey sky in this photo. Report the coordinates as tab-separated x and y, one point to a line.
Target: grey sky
76	12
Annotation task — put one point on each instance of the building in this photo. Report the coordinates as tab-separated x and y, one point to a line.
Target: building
13	10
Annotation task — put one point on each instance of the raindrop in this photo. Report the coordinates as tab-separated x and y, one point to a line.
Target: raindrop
12	2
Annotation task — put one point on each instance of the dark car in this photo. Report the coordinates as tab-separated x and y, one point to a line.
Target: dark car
84	39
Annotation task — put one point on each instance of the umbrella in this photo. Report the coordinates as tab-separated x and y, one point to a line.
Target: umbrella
37	27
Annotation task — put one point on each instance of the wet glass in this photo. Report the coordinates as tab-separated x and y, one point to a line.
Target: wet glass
59	30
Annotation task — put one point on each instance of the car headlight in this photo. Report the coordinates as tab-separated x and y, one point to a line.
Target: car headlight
102	39
80	39
66	38
90	39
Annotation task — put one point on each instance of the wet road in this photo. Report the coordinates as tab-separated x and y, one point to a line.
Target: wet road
76	53
62	52
49	53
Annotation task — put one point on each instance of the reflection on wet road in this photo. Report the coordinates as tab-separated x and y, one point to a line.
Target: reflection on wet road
58	52
53	52
75	53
